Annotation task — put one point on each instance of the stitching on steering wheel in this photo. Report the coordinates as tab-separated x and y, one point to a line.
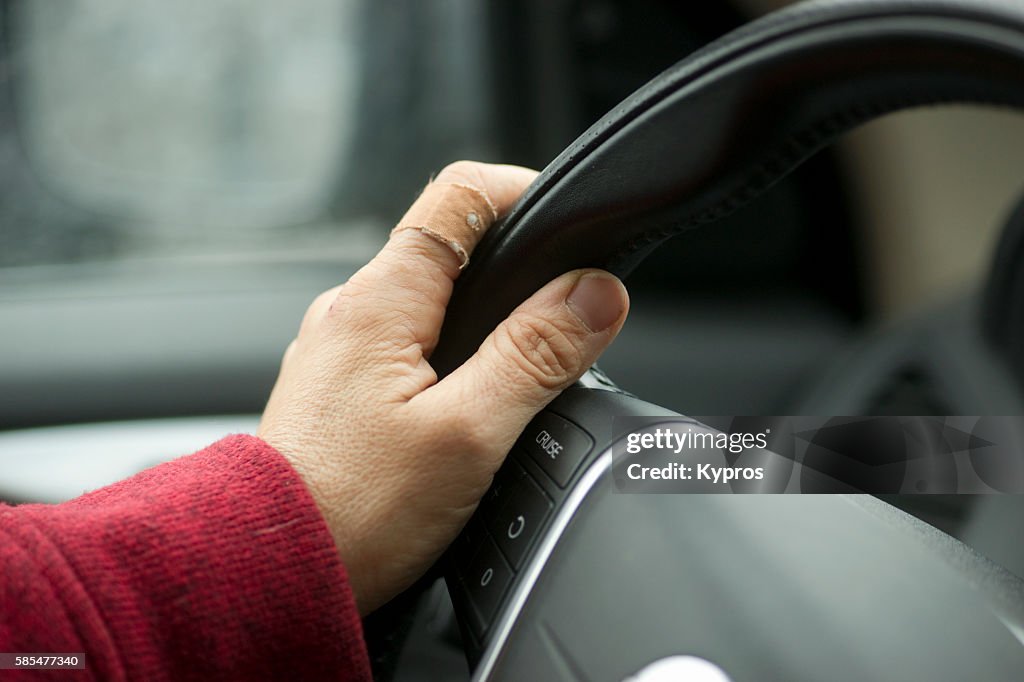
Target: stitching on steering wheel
795	149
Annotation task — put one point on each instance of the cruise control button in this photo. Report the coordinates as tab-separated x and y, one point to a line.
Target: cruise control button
517	523
485	582
556	445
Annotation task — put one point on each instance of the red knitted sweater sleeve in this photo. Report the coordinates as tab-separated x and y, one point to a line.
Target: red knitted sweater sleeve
217	565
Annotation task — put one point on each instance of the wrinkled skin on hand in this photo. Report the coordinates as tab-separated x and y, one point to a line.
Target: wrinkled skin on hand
396	460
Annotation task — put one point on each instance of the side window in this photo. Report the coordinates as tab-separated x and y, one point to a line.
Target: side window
131	129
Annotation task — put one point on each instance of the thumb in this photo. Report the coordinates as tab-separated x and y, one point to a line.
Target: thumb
545	345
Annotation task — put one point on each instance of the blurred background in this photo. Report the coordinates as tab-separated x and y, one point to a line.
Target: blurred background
178	181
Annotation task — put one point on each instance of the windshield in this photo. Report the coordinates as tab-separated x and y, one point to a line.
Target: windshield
236	129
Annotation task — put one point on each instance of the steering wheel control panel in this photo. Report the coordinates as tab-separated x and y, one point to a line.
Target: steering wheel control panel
550	532
487	562
496	543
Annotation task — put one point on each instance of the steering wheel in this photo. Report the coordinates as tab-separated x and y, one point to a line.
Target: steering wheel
558	577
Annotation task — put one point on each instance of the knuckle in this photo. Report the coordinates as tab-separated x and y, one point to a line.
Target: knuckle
330	314
317	310
354	304
542	350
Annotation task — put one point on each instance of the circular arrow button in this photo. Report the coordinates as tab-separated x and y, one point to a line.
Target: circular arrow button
515	529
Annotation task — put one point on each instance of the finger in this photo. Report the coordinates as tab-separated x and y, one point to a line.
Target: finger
415	270
456	208
545	345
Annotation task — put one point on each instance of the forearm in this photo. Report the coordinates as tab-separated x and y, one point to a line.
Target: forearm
216	565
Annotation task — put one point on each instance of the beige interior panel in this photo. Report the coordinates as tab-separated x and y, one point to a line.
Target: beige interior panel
933	188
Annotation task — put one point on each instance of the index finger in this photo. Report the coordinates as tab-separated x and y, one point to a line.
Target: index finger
416	269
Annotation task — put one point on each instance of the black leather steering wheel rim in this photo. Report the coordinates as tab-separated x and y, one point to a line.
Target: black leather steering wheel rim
714	131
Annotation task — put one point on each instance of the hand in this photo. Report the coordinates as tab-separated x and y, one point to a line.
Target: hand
396	460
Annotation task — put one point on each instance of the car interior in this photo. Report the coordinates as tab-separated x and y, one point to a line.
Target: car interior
180	180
